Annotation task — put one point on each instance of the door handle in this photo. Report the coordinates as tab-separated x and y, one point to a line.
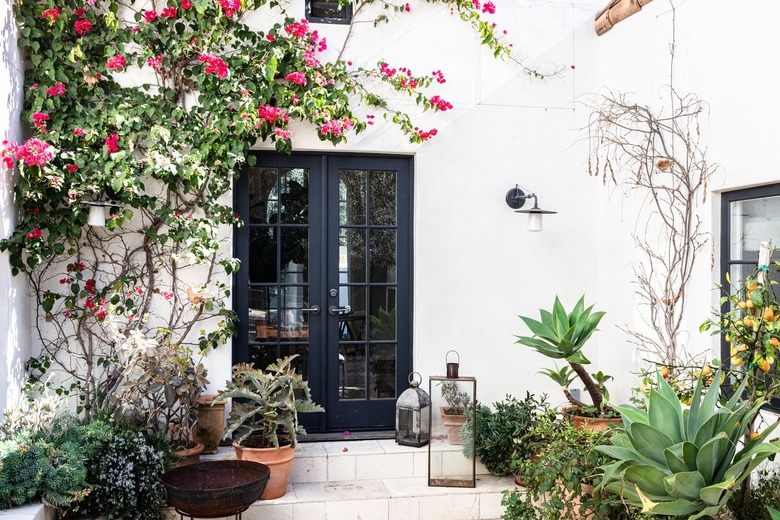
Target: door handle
333	310
315	309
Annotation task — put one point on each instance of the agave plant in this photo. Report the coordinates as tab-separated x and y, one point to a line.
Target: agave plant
561	335
674	462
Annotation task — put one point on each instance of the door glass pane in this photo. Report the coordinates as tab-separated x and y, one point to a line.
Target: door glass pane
383	198
382	251
295	196
301	363
382	322
295	254
382	367
262	355
352	197
352	371
352	324
752	222
263	200
262	255
293	322
352	256
263	303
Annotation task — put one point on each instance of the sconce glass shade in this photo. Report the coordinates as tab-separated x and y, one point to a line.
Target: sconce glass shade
534	222
97	216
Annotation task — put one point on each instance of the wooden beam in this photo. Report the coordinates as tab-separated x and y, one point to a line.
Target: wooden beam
617	11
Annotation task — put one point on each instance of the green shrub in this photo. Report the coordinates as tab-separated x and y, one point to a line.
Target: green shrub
22	466
124	468
764	492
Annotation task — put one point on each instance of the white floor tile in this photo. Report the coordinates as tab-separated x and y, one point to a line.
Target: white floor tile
385	465
341	468
450	507
328	491
404	508
264	511
357	510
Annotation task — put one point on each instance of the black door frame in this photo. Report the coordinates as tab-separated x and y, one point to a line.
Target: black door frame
324	371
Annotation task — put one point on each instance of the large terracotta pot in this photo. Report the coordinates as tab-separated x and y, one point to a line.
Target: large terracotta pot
453	423
278	459
211	422
189	456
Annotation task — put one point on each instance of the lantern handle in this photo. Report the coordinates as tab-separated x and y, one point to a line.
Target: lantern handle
447	356
411	379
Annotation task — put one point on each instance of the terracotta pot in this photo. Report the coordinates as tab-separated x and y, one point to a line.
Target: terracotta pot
453	423
189	456
278	459
598	424
211	422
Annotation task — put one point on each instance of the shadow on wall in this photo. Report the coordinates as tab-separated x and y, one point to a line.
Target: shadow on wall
14	302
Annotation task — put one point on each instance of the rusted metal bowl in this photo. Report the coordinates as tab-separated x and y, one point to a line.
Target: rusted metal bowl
216	488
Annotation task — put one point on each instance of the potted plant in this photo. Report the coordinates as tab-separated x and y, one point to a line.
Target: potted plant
500	431
210	427
161	386
562	335
263	402
453	415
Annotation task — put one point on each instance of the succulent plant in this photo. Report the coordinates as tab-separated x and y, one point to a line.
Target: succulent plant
561	335
266	400
673	462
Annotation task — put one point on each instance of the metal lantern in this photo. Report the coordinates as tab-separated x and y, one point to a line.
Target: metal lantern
412	420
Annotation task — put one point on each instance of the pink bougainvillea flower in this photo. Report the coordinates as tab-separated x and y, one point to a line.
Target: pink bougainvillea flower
230	7
270	37
33	152
150	16
215	65
273	114
169	12
282	134
112	143
323	45
89	304
51	15
298	29
438	76
135	29
57	90
80	12
82	26
489	7
440	104
337	127
116	62
155	62
186	5
79	131
423	135
39	119
72	168
34	234
299	78
475	3
387	71
407	8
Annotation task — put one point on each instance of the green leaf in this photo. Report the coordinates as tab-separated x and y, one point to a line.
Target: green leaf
649	441
684	485
710	456
649	479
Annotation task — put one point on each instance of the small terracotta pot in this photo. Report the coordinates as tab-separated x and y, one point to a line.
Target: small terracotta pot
211	422
189	456
278	459
598	424
453	423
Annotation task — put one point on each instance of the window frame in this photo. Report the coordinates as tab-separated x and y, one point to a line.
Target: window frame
335	21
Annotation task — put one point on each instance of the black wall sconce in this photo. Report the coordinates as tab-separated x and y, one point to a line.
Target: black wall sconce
515	199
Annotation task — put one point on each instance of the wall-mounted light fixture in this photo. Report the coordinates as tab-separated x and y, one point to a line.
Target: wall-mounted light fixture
515	199
97	212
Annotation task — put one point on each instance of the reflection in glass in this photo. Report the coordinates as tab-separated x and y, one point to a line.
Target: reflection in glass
382	366
382	253
295	196
383	195
352	324
352	255
295	254
263	355
382	321
262	194
753	221
262	255
352	197
352	371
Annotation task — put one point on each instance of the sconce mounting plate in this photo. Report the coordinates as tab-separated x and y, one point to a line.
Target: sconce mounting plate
515	198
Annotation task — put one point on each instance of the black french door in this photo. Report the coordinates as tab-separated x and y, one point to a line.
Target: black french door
326	274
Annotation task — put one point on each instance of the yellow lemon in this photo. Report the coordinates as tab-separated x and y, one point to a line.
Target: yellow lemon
749	304
705	371
742	305
754	435
664	371
764	365
769	314
743	347
735	361
774	342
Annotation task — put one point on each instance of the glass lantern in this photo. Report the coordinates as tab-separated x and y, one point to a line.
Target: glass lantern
412	419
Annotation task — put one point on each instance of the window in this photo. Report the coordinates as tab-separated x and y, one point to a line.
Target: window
328	11
748	217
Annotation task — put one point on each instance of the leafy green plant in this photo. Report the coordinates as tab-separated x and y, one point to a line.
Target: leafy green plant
560	473
562	335
22	466
774	513
764	494
456	399
500	430
266	400
675	462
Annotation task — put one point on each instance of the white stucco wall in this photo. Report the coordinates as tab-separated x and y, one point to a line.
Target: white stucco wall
14	304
